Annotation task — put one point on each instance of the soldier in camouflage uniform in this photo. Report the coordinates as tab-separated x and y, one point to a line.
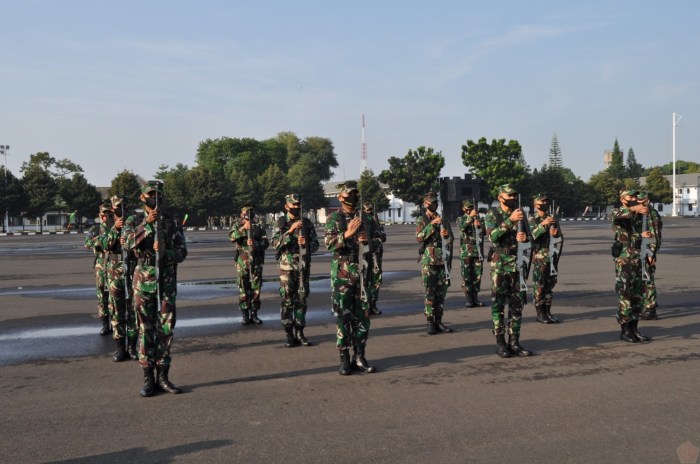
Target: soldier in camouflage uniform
294	233
649	287
158	242
542	226
95	241
343	233
374	258
251	242
120	267
502	229
430	232
470	256
627	225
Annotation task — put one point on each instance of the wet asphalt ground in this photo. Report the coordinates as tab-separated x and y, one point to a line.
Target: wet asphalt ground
584	397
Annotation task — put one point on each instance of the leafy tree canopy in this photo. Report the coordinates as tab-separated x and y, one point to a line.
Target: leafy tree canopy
496	163
410	177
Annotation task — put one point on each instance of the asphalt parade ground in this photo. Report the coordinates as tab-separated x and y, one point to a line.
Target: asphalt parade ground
584	397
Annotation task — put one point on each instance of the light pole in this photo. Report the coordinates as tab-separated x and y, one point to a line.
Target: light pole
674	209
6	221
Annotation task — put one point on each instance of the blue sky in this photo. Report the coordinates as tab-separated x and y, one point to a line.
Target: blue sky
133	85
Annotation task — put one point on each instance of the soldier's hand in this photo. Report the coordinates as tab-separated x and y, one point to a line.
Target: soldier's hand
444	233
646	234
472	213
641	209
477	223
516	215
362	237
295	226
155	245
302	241
548	221
353	227
554	232
249	242
246	224
436	221
521	237
122	240
119	223
152	216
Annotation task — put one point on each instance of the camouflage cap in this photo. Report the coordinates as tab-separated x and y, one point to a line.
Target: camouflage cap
347	186
507	189
467	203
430	197
247	207
629	191
641	195
152	186
106	207
117	201
540	196
293	198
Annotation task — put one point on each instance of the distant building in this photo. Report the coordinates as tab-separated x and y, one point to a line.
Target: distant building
607	157
686	195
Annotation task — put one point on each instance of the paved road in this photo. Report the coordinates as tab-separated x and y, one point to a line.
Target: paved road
585	397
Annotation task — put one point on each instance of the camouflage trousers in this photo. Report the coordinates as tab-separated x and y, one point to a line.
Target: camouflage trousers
435	283
121	309
249	286
102	289
649	289
542	282
156	325
374	280
472	268
350	309
505	288
293	308
628	285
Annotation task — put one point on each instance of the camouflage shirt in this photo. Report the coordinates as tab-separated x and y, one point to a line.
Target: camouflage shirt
468	235
428	235
287	244
627	226
239	236
140	236
502	234
540	235
336	225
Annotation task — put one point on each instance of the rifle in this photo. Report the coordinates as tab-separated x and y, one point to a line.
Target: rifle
524	254
363	251
157	263
251	256
303	255
478	231
555	245
645	250
446	252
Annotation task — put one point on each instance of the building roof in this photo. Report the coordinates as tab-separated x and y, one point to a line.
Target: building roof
682	180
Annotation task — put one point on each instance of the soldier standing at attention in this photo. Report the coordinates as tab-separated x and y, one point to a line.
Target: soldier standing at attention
431	230
470	254
343	234
627	223
650	304
95	241
158	243
295	239
251	242
374	258
502	229
542	227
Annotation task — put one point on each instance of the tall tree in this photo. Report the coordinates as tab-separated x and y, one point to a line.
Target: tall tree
617	168
555	157
81	195
175	188
606	188
634	169
12	199
410	177
658	186
274	185
41	189
372	191
126	184
497	163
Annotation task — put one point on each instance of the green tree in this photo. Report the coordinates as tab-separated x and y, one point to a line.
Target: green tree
41	189
658	186
605	188
634	169
617	167
126	184
209	194
410	177
12	197
372	191
562	186
175	187
496	164
274	186
555	157
78	194
303	180
682	167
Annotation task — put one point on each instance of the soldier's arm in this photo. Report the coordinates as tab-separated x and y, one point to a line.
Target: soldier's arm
536	229
497	231
333	238
237	232
423	230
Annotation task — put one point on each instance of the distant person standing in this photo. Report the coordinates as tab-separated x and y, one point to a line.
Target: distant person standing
95	241
649	287
471	233
374	257
72	219
543	227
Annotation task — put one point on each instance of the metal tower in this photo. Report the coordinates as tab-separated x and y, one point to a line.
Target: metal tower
363	156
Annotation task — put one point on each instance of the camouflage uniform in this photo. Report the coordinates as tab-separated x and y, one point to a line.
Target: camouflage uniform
432	259
95	240
350	304
374	258
505	276
294	287
471	265
627	226
156	324
249	265
649	287
542	280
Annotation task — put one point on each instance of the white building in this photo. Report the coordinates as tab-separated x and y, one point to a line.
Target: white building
686	195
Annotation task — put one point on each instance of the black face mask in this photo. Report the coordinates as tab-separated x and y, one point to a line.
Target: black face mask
632	203
432	207
151	202
350	200
511	203
543	207
118	212
294	212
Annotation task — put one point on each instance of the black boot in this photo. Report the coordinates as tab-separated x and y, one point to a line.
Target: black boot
626	334
106	326
440	327
432	328
359	362
345	368
246	318
133	353
149	383
301	338
291	341
649	315
121	354
475	300
514	346
470	301
374	310
501	347
542	315
548	313
635	332
254	317
166	384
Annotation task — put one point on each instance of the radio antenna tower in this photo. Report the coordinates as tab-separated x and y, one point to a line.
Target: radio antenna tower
363	156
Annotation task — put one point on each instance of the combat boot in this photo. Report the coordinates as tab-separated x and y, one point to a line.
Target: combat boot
254	317
626	334
345	368
164	383
475	300
514	346
432	328
106	326
470	301
246	318
359	362
121	354
635	332
301	338
548	313
133	354
501	346
374	310
542	315
440	327
291	341
149	383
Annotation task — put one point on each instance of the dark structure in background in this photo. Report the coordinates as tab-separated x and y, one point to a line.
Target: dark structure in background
456	189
